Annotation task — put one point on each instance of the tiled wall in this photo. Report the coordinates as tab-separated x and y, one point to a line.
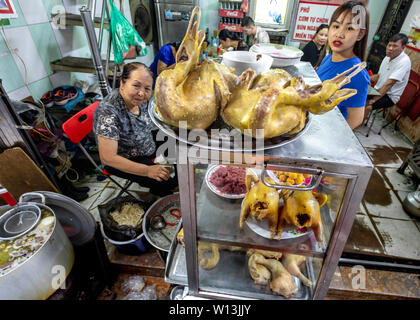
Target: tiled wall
414	10
38	41
32	37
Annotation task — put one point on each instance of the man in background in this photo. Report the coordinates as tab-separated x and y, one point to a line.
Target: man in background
256	34
393	74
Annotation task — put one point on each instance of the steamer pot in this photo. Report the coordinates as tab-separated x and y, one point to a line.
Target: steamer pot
45	270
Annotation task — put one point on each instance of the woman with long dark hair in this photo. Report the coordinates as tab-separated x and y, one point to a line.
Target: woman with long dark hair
313	48
347	39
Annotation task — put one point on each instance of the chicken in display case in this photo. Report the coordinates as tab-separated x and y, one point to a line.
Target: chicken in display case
261	220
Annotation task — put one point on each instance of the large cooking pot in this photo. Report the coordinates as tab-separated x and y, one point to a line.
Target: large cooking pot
46	269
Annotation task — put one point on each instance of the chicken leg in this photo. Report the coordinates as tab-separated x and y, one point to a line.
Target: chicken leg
292	263
282	281
260	274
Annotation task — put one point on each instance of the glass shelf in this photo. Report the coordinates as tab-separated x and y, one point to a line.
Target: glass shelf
218	222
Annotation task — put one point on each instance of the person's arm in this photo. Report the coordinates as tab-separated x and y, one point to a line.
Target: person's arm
355	117
374	78
163	66
108	155
383	90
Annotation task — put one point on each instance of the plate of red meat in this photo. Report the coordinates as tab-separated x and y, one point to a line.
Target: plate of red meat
227	181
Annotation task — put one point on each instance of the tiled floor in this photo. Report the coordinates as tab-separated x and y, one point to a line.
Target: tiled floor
381	225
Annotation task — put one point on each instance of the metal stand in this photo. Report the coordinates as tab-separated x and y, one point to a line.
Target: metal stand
96	55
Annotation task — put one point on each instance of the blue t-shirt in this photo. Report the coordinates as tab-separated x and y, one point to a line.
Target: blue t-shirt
329	69
165	55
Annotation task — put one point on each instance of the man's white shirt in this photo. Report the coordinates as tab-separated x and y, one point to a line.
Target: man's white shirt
397	69
261	36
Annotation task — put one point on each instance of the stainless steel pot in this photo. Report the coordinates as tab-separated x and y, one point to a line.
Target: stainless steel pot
45	271
412	203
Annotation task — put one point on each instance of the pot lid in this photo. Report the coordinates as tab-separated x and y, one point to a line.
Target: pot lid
18	221
78	223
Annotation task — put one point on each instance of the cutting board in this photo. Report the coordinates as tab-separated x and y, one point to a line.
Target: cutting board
20	174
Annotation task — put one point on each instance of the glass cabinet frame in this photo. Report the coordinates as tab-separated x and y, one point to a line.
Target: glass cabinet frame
330	149
327	147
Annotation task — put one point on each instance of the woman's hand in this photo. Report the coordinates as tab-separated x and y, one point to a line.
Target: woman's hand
158	173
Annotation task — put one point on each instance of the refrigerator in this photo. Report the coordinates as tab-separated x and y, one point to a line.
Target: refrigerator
172	17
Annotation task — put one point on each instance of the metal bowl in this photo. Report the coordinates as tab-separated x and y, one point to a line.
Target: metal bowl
235	141
412	203
161	207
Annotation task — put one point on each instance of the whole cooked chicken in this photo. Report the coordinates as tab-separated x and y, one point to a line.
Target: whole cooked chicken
277	103
281	280
261	201
190	93
302	209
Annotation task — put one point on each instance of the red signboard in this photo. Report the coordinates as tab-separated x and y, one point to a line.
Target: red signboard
230	27
231	13
310	14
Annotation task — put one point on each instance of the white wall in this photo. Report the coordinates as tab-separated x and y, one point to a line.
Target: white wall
376	10
414	10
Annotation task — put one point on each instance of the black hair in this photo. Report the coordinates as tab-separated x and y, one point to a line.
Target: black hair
175	45
247	22
130	67
320	27
225	33
359	48
398	37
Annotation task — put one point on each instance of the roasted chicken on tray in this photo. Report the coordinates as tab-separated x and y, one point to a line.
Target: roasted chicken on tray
277	102
273	101
302	209
261	201
191	93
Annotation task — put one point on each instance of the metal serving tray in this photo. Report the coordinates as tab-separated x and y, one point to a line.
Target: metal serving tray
231	276
232	142
176	265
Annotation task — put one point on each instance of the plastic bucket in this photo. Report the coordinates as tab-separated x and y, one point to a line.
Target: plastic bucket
134	246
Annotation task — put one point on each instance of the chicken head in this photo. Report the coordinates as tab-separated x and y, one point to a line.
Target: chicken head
277	102
192	93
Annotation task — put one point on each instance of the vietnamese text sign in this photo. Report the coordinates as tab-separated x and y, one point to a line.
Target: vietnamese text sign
309	16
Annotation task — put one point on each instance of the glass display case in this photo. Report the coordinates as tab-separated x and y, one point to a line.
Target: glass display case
278	231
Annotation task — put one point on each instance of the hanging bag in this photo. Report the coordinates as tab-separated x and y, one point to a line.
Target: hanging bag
126	42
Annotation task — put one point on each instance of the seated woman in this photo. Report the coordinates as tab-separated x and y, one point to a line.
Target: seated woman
314	47
231	41
123	130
